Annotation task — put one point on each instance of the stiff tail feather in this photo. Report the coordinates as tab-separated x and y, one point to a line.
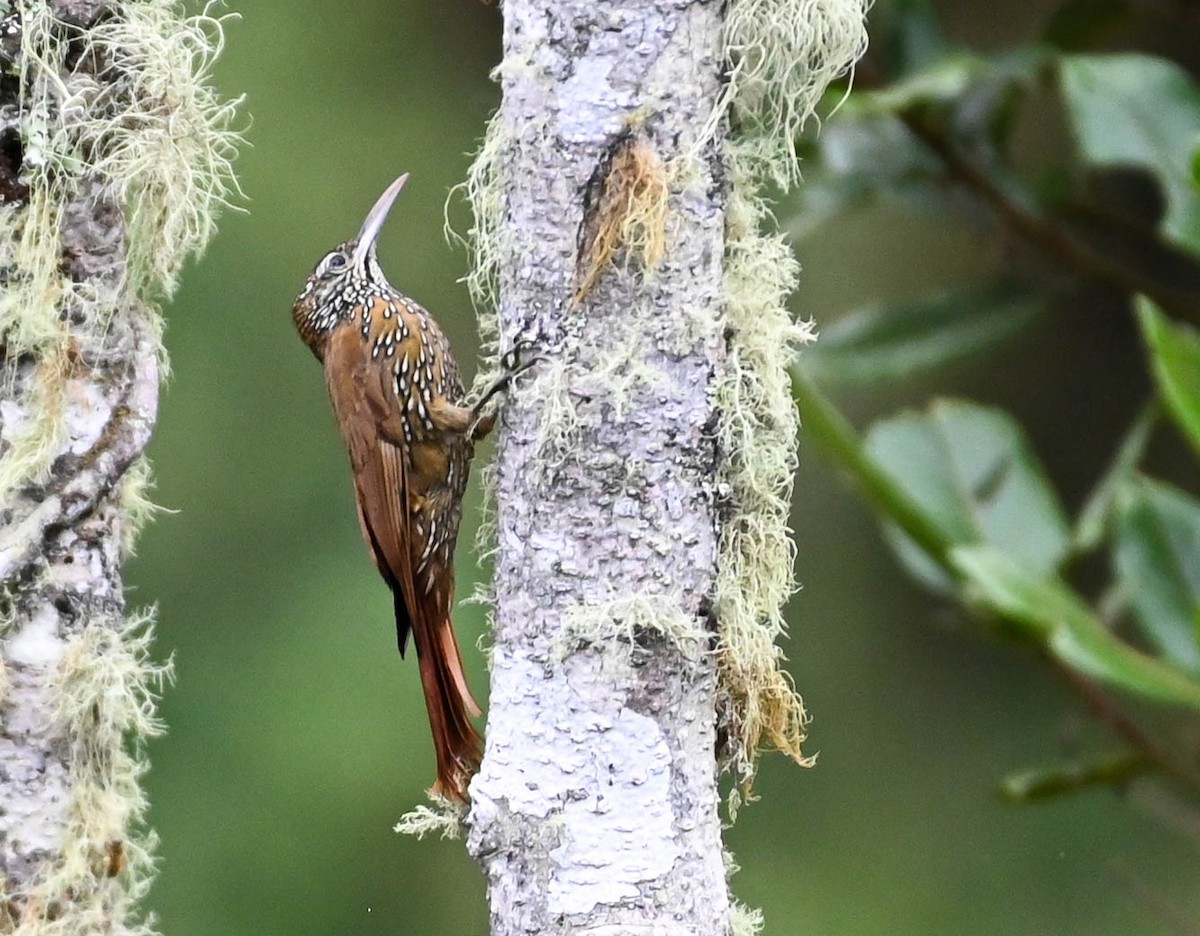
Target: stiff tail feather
458	745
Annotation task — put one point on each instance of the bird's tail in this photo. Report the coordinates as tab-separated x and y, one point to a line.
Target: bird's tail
458	745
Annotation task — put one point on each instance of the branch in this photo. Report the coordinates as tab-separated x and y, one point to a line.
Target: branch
596	806
1053	239
101	207
646	464
1109	713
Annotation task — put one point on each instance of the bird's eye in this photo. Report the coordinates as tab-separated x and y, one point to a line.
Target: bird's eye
336	261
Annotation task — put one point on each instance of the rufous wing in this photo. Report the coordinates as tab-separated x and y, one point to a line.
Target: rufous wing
385	499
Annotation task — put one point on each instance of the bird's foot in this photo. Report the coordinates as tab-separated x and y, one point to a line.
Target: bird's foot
513	363
519	358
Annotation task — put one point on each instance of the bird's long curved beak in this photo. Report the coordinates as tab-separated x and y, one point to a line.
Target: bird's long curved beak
375	218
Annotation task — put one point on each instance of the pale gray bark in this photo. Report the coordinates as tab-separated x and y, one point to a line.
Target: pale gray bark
596	810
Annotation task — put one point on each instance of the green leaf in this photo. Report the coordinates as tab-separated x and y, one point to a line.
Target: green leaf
1137	110
1175	359
885	342
1051	613
1157	557
941	82
971	472
1094	518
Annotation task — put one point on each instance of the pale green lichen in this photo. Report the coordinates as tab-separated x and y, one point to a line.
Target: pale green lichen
488	241
151	129
784	54
443	818
485	532
617	372
625	622
107	688
174	174
744	921
36	433
485	239
137	509
757	434
152	137
558	418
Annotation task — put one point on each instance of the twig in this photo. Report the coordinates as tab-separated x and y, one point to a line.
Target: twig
1108	712
1042	233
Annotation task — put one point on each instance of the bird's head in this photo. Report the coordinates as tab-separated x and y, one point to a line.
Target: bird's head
344	278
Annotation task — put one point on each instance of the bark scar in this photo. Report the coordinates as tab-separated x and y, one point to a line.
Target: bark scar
624	205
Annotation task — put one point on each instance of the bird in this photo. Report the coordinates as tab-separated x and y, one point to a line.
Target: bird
399	403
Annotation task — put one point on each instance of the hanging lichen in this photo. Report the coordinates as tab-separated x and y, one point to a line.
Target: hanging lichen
783	54
141	127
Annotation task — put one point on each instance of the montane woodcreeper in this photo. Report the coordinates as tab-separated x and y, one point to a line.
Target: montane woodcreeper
399	402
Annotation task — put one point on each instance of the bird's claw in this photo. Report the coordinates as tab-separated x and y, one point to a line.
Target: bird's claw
519	358
513	363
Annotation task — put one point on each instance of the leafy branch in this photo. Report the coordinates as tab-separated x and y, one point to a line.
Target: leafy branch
964	501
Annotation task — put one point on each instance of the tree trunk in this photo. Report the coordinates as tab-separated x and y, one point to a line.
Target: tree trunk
645	464
597	806
113	159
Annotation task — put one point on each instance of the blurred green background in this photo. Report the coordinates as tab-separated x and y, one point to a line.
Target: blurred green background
297	736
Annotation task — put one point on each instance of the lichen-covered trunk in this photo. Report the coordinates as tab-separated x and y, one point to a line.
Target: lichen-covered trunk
75	673
596	809
113	159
